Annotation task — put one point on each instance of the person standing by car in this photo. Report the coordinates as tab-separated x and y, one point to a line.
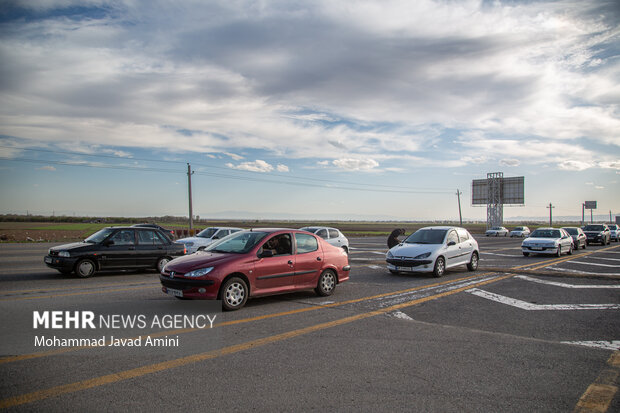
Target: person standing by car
393	240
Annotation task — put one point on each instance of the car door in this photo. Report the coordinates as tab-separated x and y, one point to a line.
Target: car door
466	246
119	249
452	249
308	260
334	237
275	273
150	247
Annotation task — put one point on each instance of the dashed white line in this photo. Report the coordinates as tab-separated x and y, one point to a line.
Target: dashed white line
401	315
565	285
607	345
524	305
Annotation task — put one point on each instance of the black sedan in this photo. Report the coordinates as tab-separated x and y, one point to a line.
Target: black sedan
115	248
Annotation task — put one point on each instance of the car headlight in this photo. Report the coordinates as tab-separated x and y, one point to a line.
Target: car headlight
389	254
64	254
199	272
188	244
425	255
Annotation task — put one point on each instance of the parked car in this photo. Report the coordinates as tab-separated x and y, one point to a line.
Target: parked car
255	263
331	235
598	233
579	237
434	249
497	232
115	248
614	232
206	237
522	232
169	232
548	241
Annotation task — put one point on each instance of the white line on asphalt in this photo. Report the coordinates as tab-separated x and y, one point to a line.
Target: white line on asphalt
499	255
363	259
401	315
608	259
584	272
524	305
558	284
376	267
595	264
607	345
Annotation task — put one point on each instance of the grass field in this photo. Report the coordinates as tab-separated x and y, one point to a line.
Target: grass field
74	231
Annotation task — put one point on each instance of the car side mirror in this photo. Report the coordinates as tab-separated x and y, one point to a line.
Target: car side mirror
451	243
201	248
215	237
266	254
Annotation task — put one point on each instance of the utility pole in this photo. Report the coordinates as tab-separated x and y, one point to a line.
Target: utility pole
610	216
189	187
458	194
583	214
550	214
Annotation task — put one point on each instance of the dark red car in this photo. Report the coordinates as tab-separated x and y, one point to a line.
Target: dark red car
255	263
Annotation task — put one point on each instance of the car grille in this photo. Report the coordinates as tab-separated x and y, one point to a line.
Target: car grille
405	262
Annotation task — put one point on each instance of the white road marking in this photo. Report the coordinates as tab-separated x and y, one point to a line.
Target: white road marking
608	259
584	272
595	264
558	284
401	315
606	345
376	267
524	305
499	255
363	259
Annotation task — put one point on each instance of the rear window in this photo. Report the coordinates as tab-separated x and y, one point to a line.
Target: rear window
594	228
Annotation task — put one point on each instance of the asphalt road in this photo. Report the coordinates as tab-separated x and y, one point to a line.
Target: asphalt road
520	334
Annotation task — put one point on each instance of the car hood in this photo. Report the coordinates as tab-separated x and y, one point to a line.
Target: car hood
200	259
72	246
193	239
531	240
413	250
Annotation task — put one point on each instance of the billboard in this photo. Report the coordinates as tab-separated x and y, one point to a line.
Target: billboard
512	191
590	205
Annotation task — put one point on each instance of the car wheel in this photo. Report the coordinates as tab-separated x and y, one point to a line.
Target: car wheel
346	250
584	245
473	262
570	249
326	284
85	268
161	263
395	272
526	254
234	294
559	253
440	267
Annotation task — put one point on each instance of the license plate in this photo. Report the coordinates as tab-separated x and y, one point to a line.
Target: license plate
48	260
537	249
176	293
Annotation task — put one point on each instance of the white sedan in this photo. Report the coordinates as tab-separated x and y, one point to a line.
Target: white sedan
434	249
331	235
554	241
522	232
497	232
206	237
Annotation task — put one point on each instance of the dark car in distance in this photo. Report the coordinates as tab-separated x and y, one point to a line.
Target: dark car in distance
169	232
597	233
255	263
579	237
115	248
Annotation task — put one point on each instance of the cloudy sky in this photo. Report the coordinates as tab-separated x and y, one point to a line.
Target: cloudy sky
342	109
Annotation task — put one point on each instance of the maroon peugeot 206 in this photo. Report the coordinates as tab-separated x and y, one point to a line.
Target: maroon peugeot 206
255	263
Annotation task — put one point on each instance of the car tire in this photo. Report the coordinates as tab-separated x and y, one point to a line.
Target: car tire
326	284
559	252
440	267
570	249
234	294
161	263
345	250
584	245
473	262
85	268
526	254
395	272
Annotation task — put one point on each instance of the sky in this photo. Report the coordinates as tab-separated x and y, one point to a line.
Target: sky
348	110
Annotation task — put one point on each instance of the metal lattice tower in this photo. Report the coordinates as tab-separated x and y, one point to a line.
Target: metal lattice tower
495	206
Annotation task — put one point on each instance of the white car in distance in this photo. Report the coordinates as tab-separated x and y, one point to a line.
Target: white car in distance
332	235
554	241
206	237
522	232
434	249
497	232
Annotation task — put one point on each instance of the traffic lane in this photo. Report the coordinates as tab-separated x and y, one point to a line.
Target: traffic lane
380	363
549	322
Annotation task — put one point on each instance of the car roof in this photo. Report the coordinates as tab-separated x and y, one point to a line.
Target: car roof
442	228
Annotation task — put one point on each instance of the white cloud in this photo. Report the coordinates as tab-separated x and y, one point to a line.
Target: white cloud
510	162
256	166
355	164
47	168
574	165
282	168
234	156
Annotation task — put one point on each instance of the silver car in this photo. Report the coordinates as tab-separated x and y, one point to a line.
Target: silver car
497	232
522	232
331	235
206	237
615	232
434	249
554	241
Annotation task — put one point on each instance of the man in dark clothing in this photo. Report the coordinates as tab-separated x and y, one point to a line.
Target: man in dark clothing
393	238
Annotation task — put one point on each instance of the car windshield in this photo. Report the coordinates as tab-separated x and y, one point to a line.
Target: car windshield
594	228
546	233
309	229
237	243
207	233
427	236
518	229
572	231
613	227
99	236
